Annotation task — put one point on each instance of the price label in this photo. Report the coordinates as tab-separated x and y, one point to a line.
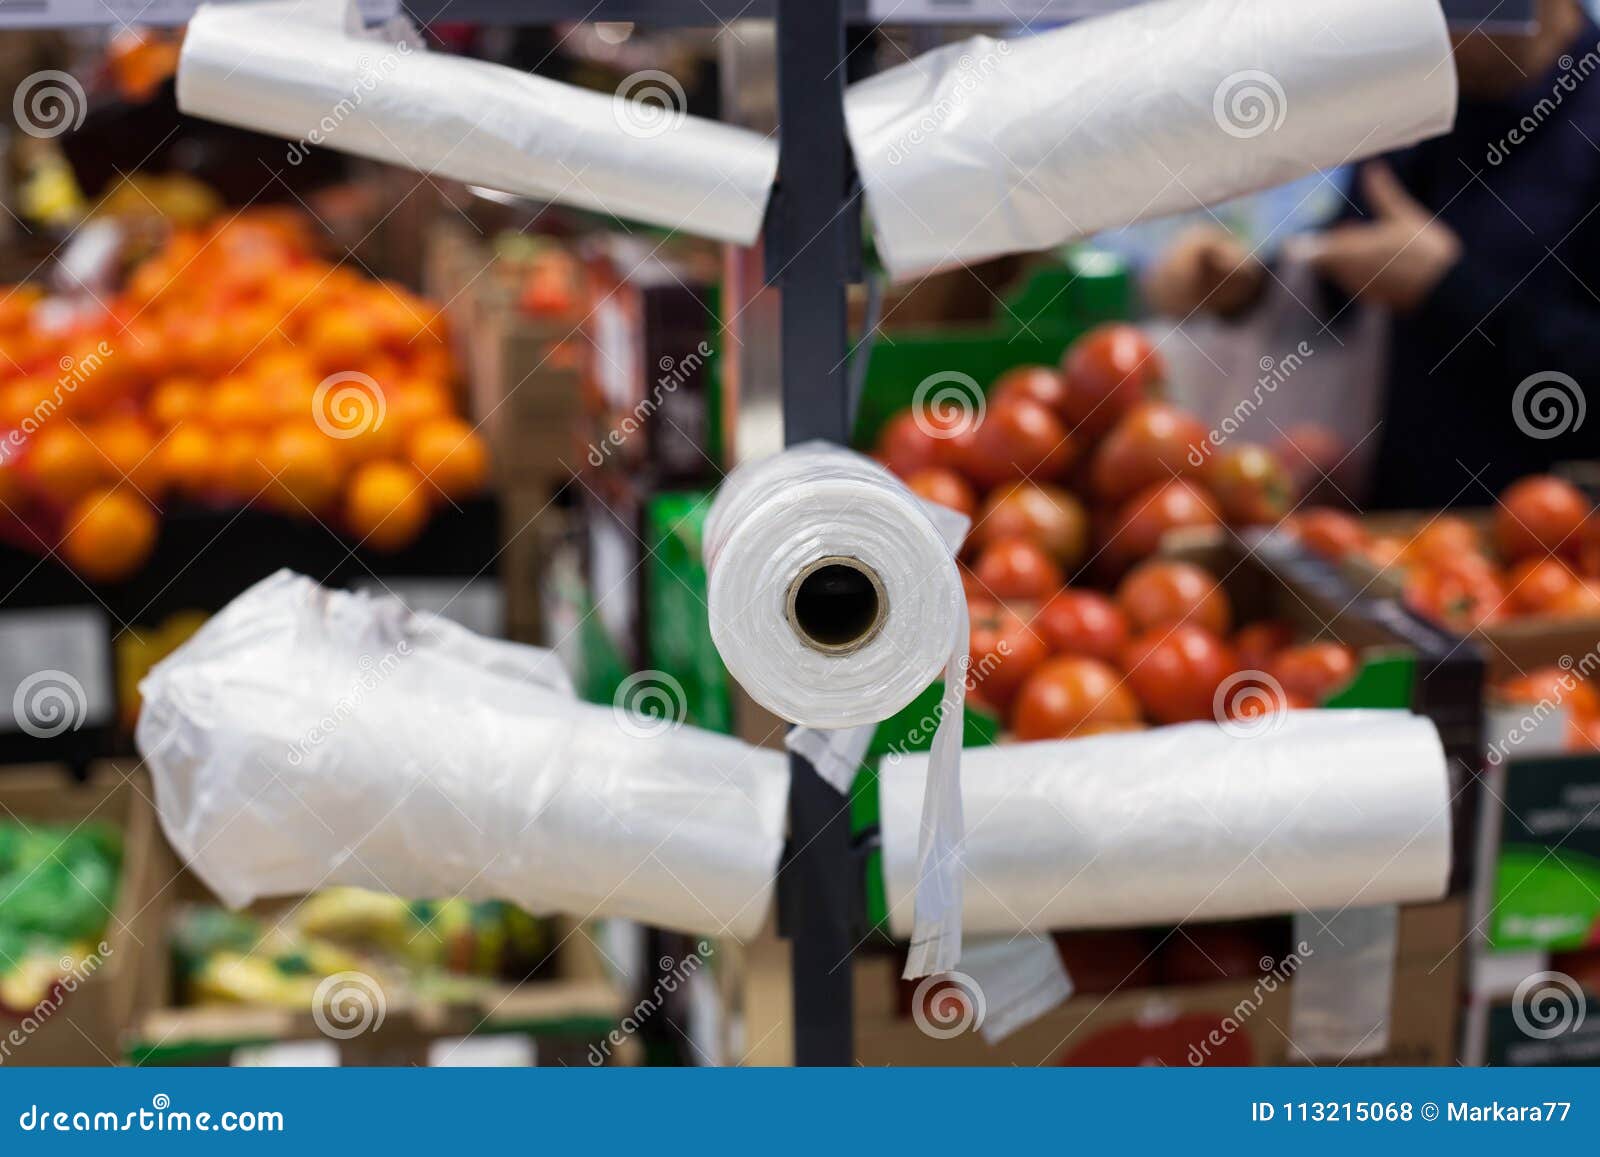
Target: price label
55	671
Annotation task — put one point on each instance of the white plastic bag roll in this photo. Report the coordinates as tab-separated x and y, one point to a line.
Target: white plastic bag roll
307	737
304	70
835	600
988	147
1330	809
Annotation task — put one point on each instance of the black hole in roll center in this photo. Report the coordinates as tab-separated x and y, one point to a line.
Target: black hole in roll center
836	605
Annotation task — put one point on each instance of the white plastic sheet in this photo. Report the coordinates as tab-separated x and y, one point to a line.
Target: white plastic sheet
307	737
773	520
304	70
1331	809
988	147
1343	992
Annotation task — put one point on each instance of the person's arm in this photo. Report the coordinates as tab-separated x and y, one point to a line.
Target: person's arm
1405	258
1206	270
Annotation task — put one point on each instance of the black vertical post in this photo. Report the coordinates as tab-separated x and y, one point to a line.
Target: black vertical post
812	254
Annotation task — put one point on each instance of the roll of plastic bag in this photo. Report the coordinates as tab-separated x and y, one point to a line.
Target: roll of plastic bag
987	147
307	737
834	600
1326	810
306	71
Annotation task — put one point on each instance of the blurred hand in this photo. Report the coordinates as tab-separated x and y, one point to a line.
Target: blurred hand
1205	269
1393	259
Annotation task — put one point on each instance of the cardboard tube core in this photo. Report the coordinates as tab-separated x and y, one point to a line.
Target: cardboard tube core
837	604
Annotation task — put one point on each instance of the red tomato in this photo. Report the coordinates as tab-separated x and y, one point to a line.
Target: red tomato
1153	443
1553	685
1257	643
1251	485
1583	734
1579	601
1004	652
1086	623
1163	594
1254	695
1539	515
1459	596
1037	383
907	444
1014	568
1311	453
1018	438
1072	696
1149	514
1314	671
1176	672
945	487
1538	585
1331	533
1384	551
1444	539
1589	547
1042	514
1109	370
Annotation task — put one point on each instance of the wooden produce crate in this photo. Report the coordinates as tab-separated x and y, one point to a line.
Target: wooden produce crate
83	1023
573	1003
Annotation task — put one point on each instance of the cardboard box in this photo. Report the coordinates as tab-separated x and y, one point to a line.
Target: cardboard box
1538	841
526	395
85	1026
564	1012
1132	1026
1511	647
532	527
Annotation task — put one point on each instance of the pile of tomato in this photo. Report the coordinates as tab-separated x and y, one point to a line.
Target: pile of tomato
1539	555
1072	475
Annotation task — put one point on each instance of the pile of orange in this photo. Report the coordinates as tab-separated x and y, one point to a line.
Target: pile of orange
235	367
